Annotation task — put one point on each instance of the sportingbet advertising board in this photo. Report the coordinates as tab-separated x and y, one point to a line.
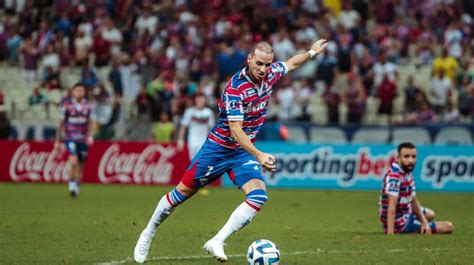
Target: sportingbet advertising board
438	168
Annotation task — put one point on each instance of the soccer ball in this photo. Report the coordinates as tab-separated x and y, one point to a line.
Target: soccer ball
263	252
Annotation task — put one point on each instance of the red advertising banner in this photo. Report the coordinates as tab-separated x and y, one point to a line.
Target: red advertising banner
32	162
135	163
107	162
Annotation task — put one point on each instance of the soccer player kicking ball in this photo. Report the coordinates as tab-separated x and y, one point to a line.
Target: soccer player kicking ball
230	148
400	210
78	125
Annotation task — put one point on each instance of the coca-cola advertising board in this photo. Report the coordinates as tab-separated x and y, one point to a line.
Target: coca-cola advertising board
107	162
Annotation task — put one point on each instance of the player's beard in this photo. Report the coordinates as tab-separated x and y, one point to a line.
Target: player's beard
408	168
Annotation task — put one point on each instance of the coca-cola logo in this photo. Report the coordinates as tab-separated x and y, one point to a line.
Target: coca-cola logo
38	165
152	165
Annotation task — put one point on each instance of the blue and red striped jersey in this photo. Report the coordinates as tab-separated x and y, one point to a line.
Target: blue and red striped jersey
76	117
400	184
244	100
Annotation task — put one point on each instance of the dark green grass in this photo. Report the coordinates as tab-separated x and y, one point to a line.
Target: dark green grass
40	224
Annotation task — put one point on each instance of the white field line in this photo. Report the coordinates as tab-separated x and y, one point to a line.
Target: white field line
294	253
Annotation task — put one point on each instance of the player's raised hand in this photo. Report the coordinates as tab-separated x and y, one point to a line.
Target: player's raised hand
267	161
319	46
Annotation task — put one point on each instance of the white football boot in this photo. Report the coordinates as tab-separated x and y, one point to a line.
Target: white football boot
216	249
141	249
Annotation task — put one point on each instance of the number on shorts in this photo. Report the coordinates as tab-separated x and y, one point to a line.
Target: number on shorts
209	171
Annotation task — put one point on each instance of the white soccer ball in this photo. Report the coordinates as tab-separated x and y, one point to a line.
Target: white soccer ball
263	252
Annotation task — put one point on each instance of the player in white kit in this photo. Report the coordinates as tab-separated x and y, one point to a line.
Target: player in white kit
198	120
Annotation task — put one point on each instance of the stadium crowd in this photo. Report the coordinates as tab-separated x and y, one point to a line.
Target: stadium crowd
160	54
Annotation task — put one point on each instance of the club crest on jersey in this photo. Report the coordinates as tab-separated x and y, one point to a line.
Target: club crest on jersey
232	105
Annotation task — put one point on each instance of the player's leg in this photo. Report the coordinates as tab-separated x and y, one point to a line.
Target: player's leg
429	214
73	161
443	227
246	176
197	175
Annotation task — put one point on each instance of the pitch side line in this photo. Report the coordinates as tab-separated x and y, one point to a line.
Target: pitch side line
294	253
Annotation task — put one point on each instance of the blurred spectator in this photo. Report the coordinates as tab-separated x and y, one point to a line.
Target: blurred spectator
327	68
304	96
465	96
426	114
101	50
30	60
446	64
451	115
332	99
163	130
383	67
37	97
355	99
5	126
2	97
366	71
146	22
286	99
282	45
89	77
13	44
51	60
144	103
111	34
387	92
82	44
348	17
115	78
103	112
441	87
412	92
131	78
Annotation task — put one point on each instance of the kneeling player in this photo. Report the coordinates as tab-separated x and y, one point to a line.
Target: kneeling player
400	210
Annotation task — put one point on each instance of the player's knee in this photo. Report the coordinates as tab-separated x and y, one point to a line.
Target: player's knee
73	160
449	227
430	214
257	198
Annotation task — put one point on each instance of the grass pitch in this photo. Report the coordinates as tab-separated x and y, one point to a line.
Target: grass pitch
40	224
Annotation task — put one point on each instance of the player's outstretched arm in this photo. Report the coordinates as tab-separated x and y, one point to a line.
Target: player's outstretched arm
298	60
266	160
425	227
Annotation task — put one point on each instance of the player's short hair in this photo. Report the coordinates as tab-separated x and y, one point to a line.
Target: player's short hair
407	145
262	46
78	84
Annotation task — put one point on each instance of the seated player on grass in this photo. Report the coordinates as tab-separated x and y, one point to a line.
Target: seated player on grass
400	210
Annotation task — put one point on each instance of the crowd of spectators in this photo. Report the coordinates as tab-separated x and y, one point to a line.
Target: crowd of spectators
159	54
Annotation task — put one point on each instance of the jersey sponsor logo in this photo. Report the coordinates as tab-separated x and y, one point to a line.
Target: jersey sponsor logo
405	200
77	120
258	107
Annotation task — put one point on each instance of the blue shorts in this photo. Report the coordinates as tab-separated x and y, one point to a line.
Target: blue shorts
214	160
78	149
414	225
